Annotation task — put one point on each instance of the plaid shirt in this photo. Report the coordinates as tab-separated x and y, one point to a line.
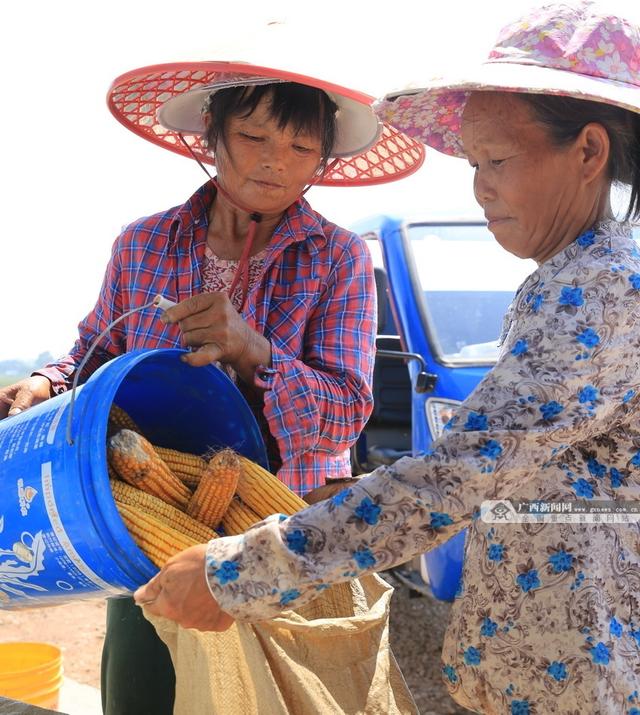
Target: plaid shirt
315	303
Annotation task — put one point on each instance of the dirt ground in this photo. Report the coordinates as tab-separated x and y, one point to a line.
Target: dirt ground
417	628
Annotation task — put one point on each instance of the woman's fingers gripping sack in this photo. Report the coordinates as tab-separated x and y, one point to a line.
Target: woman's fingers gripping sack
180	592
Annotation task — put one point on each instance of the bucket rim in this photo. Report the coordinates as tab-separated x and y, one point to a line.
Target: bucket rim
40	645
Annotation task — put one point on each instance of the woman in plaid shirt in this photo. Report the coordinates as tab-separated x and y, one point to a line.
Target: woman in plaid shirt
266	287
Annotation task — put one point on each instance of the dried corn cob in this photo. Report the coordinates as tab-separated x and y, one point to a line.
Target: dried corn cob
264	492
124	493
158	541
187	467
119	419
216	488
112	472
137	463
238	518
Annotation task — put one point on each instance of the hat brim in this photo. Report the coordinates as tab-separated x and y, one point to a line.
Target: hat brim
357	127
163	104
432	113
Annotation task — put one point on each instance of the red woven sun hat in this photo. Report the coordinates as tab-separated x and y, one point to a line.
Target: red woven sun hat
164	103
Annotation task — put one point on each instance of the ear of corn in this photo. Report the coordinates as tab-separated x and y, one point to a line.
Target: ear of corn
187	467
136	462
156	503
124	493
158	541
112	472
216	488
264	492
238	518
119	419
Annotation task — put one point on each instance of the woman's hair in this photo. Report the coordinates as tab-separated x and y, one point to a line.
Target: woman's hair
305	109
564	118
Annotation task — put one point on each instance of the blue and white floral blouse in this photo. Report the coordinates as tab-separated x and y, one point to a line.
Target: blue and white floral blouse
548	617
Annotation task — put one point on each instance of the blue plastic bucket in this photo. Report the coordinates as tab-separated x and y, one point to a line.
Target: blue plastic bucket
61	536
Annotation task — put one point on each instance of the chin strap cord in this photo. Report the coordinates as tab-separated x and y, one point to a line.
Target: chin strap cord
242	271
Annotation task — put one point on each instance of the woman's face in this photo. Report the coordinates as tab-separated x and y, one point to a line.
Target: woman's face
263	167
530	190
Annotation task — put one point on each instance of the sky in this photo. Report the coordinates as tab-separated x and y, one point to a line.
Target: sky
72	176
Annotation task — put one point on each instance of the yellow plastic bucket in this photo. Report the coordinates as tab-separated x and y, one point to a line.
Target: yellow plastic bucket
31	673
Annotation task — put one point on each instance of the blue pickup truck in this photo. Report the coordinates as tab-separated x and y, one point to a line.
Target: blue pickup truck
443	289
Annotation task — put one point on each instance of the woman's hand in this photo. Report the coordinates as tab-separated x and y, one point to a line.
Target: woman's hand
180	592
21	395
330	489
211	324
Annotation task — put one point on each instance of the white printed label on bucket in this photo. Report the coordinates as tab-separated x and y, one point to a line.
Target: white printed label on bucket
22	436
19	564
51	435
67	556
25	496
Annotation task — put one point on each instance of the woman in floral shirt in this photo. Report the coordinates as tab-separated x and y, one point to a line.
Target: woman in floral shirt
547	619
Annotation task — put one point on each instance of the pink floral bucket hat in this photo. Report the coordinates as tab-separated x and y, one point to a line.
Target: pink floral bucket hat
561	49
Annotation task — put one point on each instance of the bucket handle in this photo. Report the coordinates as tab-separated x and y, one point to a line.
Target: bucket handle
158	302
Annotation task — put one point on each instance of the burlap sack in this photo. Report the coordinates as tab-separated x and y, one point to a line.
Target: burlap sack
329	657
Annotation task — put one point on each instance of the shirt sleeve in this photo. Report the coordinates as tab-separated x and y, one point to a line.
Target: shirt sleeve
323	400
568	370
108	307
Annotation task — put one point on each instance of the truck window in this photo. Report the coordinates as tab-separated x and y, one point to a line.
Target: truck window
467	281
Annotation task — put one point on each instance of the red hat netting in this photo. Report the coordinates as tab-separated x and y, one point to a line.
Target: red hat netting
135	97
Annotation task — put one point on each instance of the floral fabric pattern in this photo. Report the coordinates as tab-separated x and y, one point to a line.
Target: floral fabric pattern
218	274
547	619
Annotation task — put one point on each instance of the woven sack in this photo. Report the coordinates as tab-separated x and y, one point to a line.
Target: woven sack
330	656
